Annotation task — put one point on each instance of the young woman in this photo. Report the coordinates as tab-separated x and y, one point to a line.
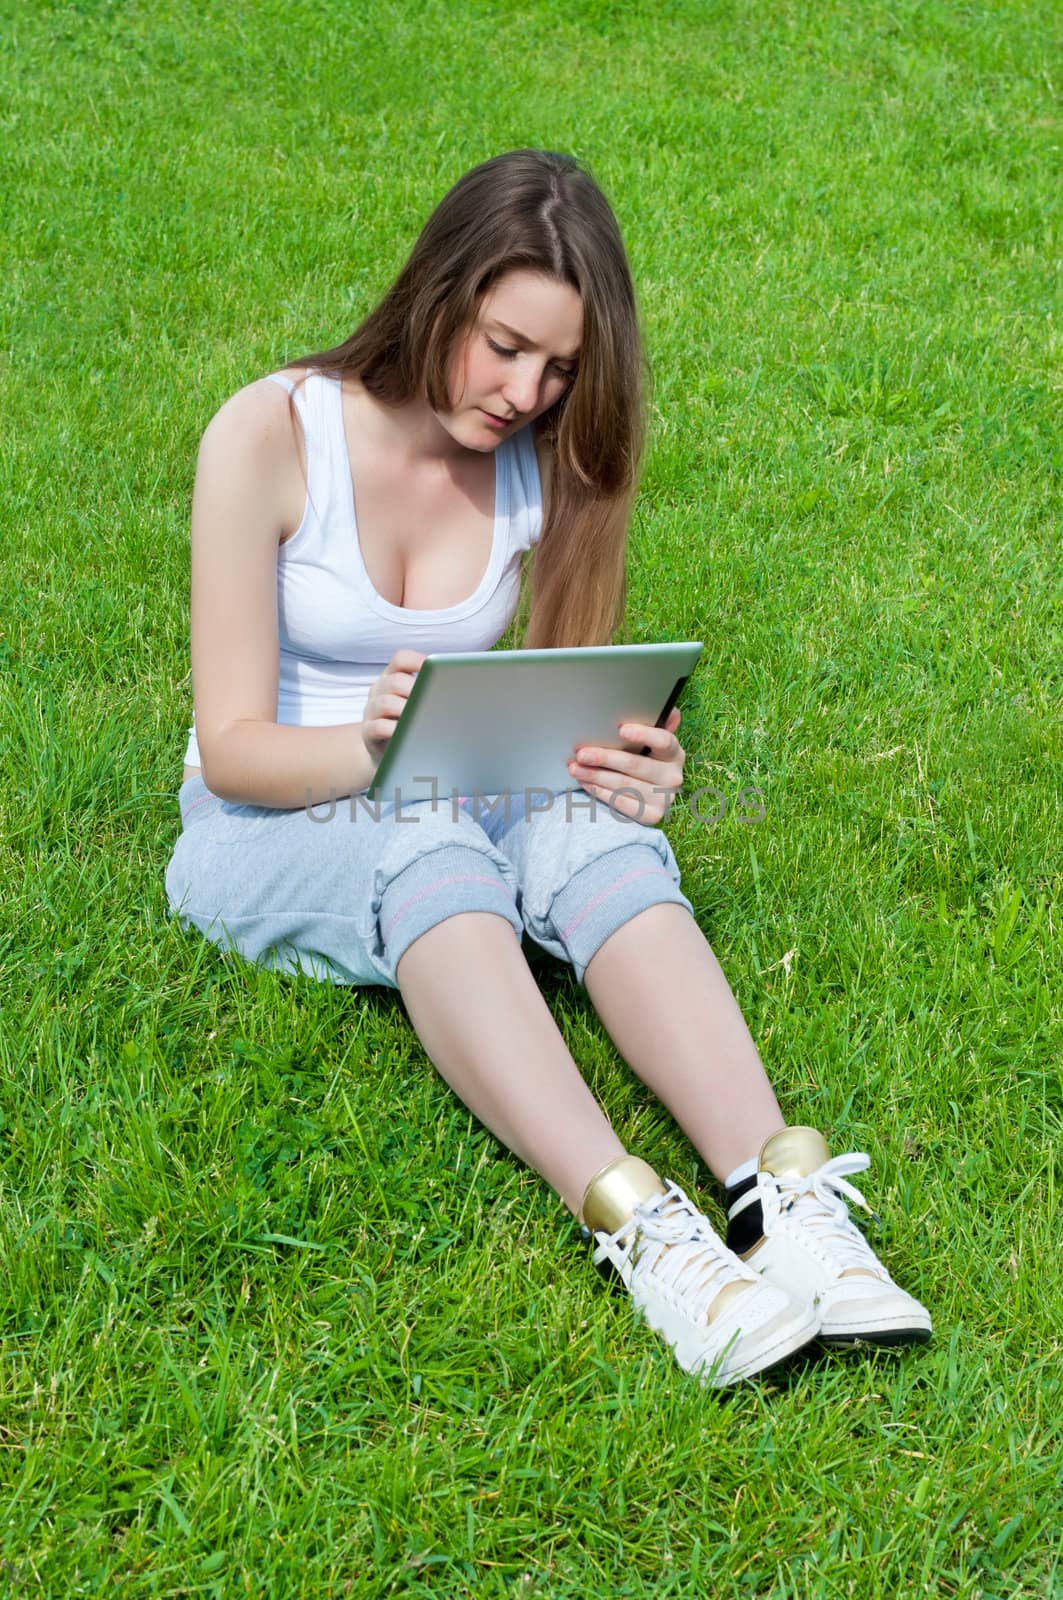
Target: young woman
379	501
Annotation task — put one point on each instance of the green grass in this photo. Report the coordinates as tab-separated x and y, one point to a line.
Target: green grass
278	1317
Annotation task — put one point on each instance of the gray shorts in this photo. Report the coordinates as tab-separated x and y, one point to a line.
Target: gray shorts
341	891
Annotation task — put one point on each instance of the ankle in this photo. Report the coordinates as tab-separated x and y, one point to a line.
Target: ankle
614	1192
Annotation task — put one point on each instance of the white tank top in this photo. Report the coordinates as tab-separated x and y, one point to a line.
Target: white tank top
336	633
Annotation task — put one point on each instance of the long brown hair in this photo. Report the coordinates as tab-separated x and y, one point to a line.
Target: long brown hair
536	210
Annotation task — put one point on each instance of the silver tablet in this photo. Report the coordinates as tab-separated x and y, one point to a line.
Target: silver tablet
492	721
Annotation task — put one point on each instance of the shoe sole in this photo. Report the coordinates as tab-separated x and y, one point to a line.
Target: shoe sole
888	1338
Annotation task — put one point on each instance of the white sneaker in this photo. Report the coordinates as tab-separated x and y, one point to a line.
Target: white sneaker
791	1224
722	1320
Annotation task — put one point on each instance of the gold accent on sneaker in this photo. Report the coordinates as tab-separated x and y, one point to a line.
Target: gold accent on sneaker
793	1151
724	1298
798	1152
610	1198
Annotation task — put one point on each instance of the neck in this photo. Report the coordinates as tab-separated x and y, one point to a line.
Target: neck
411	430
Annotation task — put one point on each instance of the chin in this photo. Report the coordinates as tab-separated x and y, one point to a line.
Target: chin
480	437
471	434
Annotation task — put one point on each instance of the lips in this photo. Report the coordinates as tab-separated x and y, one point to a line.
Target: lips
496	422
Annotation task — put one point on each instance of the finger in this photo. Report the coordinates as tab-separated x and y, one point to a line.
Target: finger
652	769
609	782
661	741
389	705
406	661
610	764
398	683
622	800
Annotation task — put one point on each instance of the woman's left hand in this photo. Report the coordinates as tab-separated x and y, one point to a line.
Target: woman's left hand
631	783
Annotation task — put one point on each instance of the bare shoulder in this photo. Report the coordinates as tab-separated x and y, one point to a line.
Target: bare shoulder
254	445
255	418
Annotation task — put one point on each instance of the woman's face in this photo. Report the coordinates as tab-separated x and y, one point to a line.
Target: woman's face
518	358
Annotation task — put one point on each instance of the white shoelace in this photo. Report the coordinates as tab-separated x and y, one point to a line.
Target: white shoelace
818	1201
691	1259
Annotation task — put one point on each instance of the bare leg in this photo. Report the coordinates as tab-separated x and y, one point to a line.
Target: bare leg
477	1010
662	995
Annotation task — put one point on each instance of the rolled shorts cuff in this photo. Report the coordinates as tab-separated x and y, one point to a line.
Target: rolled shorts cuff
434	886
192	797
606	893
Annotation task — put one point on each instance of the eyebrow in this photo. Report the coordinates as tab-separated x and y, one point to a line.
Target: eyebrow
523	339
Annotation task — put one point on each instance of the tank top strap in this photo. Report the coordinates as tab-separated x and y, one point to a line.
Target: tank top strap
302	393
302	397
525	490
524	441
311	398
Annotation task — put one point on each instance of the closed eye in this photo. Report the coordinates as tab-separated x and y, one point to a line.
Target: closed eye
505	350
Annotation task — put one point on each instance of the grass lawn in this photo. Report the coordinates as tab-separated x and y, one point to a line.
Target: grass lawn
278	1317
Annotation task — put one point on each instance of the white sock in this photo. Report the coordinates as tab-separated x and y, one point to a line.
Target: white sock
746	1170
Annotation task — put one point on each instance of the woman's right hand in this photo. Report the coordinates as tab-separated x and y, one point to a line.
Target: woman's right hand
387	701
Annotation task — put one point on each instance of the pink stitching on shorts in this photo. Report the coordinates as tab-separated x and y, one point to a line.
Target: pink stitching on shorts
643	872
440	883
200	802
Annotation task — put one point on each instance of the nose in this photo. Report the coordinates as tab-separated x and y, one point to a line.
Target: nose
521	388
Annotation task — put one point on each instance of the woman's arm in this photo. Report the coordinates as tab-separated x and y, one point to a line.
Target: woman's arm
248	471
